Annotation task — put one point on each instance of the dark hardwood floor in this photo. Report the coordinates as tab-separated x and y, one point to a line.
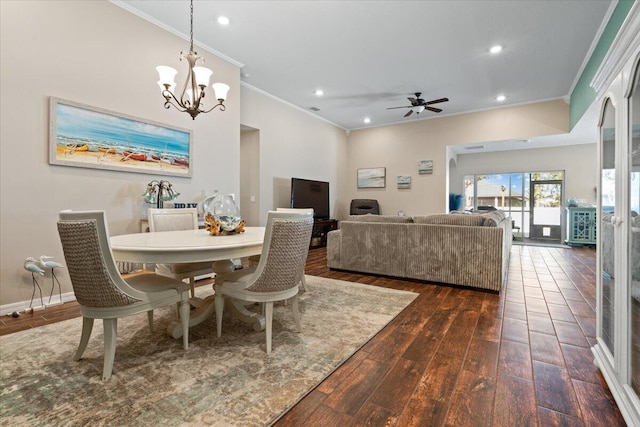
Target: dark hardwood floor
463	357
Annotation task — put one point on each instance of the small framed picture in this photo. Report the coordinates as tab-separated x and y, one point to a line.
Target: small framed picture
404	181
425	167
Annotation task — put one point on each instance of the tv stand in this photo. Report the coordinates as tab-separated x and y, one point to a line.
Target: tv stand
319	233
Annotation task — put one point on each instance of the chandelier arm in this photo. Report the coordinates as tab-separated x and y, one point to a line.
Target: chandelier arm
219	104
170	99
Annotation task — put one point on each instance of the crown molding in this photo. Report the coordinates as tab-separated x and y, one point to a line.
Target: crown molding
627	41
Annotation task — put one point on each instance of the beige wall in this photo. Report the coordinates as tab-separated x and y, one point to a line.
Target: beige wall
96	53
292	143
400	147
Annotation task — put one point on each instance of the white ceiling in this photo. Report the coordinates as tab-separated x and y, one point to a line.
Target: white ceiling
371	55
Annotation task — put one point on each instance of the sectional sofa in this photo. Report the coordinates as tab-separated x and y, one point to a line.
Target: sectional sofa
461	249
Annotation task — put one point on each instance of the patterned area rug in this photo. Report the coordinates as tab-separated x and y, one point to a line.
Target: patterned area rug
229	381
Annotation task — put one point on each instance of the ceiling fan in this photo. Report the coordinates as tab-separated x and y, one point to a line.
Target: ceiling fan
419	105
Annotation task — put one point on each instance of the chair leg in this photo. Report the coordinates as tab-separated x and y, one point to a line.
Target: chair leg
87	327
219	309
192	283
268	317
296	313
110	337
304	283
185	309
150	320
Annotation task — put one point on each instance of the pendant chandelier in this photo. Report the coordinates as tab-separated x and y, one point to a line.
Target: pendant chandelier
191	99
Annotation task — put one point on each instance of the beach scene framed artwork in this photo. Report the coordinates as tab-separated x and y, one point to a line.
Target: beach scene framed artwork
425	167
90	137
371	177
404	182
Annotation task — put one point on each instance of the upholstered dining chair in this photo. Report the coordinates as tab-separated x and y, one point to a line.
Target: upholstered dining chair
100	289
278	274
299	210
174	220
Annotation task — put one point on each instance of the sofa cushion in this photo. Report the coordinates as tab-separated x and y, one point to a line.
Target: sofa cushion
378	248
380	218
493	218
447	219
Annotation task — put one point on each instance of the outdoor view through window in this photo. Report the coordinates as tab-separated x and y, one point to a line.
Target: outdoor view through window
533	200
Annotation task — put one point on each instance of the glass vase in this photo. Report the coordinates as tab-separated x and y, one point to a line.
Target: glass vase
225	210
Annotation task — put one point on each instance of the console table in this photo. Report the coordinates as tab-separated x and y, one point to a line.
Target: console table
581	226
320	229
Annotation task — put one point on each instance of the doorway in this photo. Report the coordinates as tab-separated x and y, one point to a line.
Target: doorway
250	175
545	221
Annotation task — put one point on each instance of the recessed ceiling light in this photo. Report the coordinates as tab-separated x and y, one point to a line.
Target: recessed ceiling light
223	20
367	120
495	49
318	92
500	98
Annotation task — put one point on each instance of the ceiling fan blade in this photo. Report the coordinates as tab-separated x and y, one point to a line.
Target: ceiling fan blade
435	110
409	113
436	101
406	106
413	101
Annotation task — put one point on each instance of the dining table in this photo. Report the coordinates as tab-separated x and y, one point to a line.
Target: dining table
186	246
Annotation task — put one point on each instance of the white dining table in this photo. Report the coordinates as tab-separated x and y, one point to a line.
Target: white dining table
174	247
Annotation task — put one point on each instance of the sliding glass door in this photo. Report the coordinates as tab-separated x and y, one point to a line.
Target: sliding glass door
533	200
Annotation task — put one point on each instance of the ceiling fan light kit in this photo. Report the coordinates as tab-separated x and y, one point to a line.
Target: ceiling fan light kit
418	105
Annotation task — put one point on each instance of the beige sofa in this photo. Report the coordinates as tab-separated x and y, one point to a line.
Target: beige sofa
462	249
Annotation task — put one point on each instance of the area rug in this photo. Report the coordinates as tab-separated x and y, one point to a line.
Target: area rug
229	381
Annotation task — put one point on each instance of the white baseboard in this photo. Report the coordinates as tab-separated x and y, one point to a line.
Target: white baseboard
23	306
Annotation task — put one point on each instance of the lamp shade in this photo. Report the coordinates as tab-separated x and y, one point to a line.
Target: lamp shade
220	90
202	75
420	109
167	74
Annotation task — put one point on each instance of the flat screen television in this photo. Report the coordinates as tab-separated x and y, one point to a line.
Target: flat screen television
306	193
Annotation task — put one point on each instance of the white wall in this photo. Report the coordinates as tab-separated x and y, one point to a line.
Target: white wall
95	53
292	143
399	148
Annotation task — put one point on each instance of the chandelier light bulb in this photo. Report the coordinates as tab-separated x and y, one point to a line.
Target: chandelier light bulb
220	90
202	75
167	74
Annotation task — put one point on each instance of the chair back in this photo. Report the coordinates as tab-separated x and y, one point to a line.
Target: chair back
295	210
94	275
285	249
364	206
172	219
